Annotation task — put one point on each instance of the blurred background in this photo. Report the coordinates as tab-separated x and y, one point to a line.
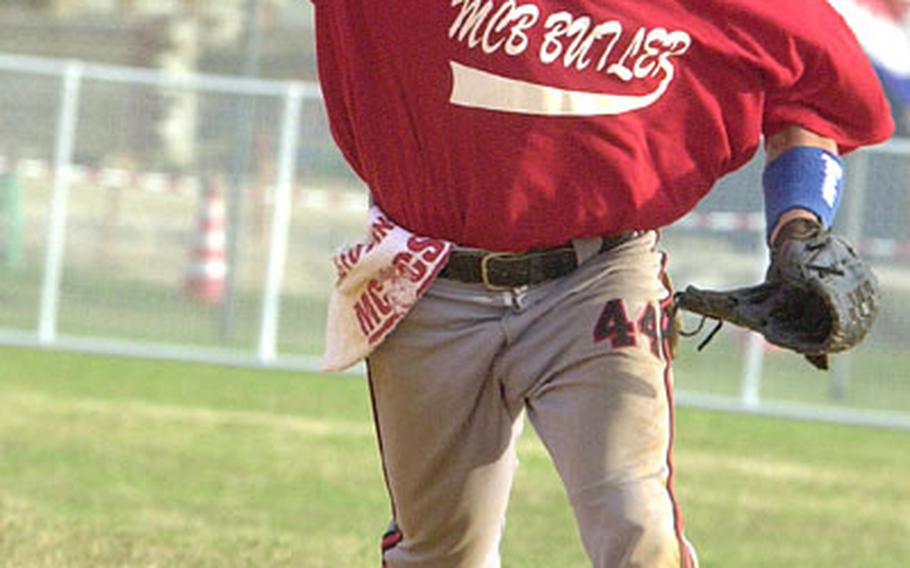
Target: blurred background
169	188
170	199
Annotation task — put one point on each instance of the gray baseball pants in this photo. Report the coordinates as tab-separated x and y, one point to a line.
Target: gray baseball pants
584	357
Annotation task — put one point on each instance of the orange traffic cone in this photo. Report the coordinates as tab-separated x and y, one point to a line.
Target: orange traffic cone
208	266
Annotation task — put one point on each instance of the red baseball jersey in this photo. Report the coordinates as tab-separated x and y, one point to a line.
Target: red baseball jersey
515	124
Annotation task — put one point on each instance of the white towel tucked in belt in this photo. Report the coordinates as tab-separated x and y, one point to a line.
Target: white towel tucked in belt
379	281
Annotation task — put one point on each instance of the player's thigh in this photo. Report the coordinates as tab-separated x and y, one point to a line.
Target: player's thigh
446	436
431	380
607	423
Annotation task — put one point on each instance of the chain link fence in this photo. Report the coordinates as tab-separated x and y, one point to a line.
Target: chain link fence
194	217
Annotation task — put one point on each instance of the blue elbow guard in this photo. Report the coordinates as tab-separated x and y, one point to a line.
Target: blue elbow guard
803	177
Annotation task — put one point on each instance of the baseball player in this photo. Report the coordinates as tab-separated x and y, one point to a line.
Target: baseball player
544	144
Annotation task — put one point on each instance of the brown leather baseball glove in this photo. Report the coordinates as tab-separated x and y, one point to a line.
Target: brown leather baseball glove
818	296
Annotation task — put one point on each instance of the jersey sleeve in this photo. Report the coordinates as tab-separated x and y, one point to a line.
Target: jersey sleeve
831	88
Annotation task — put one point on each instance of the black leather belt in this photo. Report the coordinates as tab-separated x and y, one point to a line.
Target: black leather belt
504	270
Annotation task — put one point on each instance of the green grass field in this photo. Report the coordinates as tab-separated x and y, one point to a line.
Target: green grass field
121	462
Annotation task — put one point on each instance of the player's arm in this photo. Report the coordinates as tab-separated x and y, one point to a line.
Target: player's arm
793	136
803	178
818	296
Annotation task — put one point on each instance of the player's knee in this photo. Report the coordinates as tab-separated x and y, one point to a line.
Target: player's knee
629	525
636	546
455	545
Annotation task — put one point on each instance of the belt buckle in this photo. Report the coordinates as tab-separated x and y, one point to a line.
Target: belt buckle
485	270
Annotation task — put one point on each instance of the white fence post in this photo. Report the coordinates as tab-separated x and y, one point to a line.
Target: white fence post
753	365
282	203
56	239
855	204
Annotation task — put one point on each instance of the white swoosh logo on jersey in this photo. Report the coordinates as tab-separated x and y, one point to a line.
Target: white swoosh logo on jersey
474	88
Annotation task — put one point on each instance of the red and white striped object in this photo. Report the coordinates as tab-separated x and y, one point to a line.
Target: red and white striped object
208	262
